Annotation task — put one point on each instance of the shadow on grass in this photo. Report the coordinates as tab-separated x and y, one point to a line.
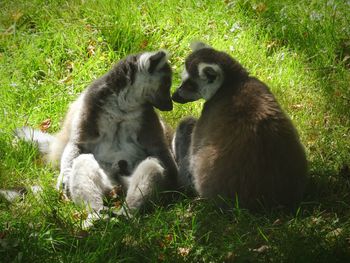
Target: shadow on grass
242	236
321	34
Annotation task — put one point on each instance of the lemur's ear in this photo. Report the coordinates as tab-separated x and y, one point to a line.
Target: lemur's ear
158	58
197	45
209	72
150	61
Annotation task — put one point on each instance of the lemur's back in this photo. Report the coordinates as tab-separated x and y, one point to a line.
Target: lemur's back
244	145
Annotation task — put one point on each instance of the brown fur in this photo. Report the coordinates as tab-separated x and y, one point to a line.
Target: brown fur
243	144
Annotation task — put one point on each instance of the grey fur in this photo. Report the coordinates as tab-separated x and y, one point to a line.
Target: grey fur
112	122
181	149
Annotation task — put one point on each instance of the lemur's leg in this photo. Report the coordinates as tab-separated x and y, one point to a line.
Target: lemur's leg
88	183
181	147
142	184
71	151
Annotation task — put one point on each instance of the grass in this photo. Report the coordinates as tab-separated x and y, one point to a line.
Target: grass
51	50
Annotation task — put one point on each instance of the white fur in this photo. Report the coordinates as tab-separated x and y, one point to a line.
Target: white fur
119	124
207	90
119	142
40	138
88	183
173	147
146	84
144	61
197	45
148	175
11	195
184	75
71	151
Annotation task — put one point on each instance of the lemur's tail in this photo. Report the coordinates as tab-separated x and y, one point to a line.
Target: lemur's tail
18	193
43	140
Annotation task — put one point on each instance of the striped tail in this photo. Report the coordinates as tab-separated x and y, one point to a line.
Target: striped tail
41	139
18	193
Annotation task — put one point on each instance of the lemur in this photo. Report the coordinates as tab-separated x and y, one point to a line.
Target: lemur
243	147
112	130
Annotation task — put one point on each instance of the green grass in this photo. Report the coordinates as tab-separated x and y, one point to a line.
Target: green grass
51	50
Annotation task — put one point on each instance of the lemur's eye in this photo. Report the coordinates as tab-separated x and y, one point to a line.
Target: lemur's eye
210	74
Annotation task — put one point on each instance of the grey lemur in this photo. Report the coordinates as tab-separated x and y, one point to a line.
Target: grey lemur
112	130
243	146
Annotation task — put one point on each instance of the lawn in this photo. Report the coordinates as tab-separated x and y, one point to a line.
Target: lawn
51	50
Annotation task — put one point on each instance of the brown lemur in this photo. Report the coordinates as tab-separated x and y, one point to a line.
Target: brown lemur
243	147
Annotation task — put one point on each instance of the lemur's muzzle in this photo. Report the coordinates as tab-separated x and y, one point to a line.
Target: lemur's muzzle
178	96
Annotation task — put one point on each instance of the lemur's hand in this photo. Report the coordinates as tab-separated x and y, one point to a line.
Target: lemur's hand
62	181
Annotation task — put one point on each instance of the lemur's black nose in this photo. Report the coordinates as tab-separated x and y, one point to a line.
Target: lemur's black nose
176	96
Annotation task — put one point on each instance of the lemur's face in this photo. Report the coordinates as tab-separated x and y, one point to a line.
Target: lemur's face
153	79
201	77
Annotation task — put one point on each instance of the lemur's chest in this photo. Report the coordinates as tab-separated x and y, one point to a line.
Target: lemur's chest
119	140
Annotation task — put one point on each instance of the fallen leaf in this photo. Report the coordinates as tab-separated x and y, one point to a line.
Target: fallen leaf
316	220
63	197
81	234
272	44
326	119
45	125
297	106
117	204
91	50
161	257
336	232
17	15
277	222
116	192
144	44
66	79
80	215
161	244
169	238
88	27
2	235
337	93
261	249
10	30
230	257
70	66
346	58
183	251
260	7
